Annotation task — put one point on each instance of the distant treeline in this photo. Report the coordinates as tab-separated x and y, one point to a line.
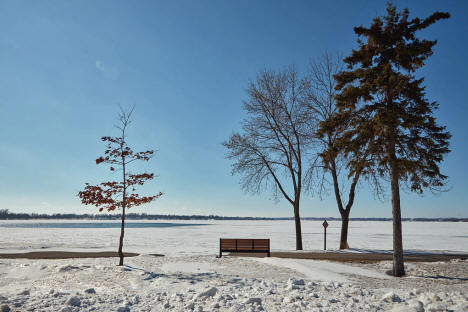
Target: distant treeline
6	215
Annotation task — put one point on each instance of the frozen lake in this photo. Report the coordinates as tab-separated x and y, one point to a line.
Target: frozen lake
202	237
92	225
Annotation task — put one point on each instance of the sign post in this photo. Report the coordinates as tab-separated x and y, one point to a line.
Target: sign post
325	225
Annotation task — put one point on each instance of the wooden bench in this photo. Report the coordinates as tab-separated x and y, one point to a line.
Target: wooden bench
244	245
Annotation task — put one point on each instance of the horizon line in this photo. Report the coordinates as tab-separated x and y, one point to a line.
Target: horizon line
6	215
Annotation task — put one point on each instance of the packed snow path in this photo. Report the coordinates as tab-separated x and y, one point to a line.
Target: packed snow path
323	270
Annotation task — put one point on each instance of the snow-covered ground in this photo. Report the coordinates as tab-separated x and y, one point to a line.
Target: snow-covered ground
191	278
205	283
204	239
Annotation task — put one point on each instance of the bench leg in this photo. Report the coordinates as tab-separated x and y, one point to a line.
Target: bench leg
220	254
268	253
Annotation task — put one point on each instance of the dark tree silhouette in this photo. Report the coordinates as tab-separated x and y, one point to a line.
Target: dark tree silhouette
323	107
120	194
385	106
273	148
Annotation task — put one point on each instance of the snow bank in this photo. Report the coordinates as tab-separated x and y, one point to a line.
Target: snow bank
226	284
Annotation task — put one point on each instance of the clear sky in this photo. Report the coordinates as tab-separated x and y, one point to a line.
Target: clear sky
65	66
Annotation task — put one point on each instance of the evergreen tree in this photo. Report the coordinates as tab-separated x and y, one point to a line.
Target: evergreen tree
388	112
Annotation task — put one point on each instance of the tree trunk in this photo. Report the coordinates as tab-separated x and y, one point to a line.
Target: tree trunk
344	212
122	238
344	230
398	264
124	201
297	220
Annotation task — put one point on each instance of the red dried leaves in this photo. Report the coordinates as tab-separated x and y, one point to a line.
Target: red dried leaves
112	194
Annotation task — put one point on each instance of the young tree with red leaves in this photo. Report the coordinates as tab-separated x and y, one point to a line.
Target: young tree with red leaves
119	194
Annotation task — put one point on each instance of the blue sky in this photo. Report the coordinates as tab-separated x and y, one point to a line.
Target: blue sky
65	66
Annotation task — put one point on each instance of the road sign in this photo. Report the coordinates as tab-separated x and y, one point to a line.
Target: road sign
325	224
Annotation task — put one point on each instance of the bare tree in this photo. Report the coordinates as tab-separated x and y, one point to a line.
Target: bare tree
273	149
323	108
